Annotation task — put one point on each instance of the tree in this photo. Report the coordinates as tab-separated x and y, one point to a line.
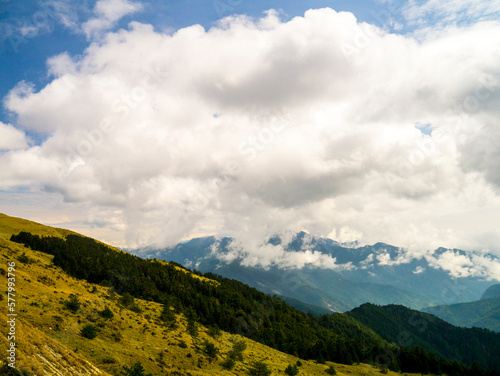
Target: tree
259	369
73	304
136	370
210	350
88	331
228	363
192	327
106	313
237	351
167	315
331	370
127	300
214	331
291	370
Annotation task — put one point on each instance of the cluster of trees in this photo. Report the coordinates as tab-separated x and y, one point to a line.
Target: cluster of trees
234	307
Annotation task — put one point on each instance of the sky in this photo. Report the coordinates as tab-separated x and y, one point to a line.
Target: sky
154	122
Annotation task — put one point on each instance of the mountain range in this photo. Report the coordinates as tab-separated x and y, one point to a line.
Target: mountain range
349	276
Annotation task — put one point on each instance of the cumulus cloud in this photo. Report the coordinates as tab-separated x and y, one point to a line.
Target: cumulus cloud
262	127
11	138
107	14
466	265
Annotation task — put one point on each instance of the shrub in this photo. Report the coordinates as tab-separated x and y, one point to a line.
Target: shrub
299	363
88	331
331	371
321	360
24	259
106	313
228	364
136	370
73	304
259	369
237	351
167	315
291	370
214	331
127	300
135	308
192	328
210	350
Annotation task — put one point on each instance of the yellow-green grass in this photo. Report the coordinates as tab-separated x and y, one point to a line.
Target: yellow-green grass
49	334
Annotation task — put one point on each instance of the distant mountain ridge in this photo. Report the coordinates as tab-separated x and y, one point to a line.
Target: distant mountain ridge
483	313
491	292
380	273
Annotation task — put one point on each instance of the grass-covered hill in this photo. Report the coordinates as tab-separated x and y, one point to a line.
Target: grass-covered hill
86	308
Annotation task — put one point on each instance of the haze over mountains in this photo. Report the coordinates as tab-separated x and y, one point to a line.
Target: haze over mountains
338	277
481	313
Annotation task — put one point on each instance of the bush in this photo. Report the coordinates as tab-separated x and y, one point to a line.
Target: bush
237	351
24	259
192	328
136	370
210	350
106	313
299	363
128	301
331	371
228	364
259	369
291	370
73	304
135	308
88	331
214	331
167	315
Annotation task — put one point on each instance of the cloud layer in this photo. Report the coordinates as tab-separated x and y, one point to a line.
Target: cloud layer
258	127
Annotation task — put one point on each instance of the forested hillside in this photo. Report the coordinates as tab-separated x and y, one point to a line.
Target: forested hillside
484	313
401	325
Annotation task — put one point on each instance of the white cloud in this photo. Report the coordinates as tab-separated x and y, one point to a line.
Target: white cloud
419	270
11	138
470	265
268	255
107	14
255	128
450	12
